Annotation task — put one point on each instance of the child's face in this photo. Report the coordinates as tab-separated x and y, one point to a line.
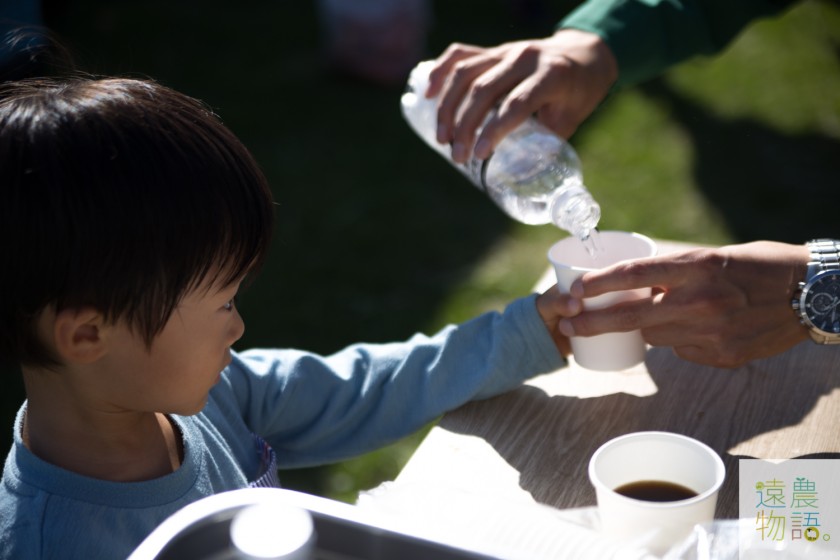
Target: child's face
184	361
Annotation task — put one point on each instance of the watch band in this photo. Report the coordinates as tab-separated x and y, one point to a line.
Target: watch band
824	255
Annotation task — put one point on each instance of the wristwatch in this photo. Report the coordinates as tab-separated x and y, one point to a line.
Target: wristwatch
817	301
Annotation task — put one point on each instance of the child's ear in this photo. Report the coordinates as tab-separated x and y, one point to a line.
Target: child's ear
78	335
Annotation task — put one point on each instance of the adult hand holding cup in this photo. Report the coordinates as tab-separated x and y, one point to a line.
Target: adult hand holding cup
570	259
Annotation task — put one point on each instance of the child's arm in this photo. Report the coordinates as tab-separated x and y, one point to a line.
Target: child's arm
317	409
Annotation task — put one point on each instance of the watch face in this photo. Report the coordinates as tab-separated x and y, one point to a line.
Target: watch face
821	301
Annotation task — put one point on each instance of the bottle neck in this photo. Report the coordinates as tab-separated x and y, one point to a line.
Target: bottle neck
573	209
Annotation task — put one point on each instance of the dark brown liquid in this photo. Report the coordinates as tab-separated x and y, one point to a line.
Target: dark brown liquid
655	491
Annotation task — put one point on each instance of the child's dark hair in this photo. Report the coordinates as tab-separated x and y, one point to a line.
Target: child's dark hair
121	195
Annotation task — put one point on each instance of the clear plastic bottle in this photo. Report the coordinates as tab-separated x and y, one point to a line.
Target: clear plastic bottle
534	175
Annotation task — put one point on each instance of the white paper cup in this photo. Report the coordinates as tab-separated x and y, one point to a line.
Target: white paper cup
610	351
658	456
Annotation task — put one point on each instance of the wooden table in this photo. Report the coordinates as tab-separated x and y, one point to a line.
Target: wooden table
534	443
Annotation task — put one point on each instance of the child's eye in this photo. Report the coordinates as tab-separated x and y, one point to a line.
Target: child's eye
229	305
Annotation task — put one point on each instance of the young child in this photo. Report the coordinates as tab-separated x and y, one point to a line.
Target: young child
130	218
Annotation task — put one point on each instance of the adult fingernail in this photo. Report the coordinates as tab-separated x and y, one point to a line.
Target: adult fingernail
565	327
575	306
443	134
459	152
482	149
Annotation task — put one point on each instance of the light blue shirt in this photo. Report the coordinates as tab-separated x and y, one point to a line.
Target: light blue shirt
310	409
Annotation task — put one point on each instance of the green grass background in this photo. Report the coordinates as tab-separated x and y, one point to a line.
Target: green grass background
378	237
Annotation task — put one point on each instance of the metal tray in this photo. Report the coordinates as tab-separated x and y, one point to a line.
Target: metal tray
343	532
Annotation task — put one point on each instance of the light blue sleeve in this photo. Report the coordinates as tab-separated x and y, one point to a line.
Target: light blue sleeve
317	409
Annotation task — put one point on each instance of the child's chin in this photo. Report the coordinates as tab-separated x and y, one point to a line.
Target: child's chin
192	410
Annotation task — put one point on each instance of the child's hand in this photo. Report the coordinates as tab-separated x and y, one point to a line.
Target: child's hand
553	306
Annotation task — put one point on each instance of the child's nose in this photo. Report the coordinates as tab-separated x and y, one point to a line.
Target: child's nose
237	328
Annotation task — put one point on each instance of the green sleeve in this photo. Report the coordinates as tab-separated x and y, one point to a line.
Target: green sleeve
649	36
